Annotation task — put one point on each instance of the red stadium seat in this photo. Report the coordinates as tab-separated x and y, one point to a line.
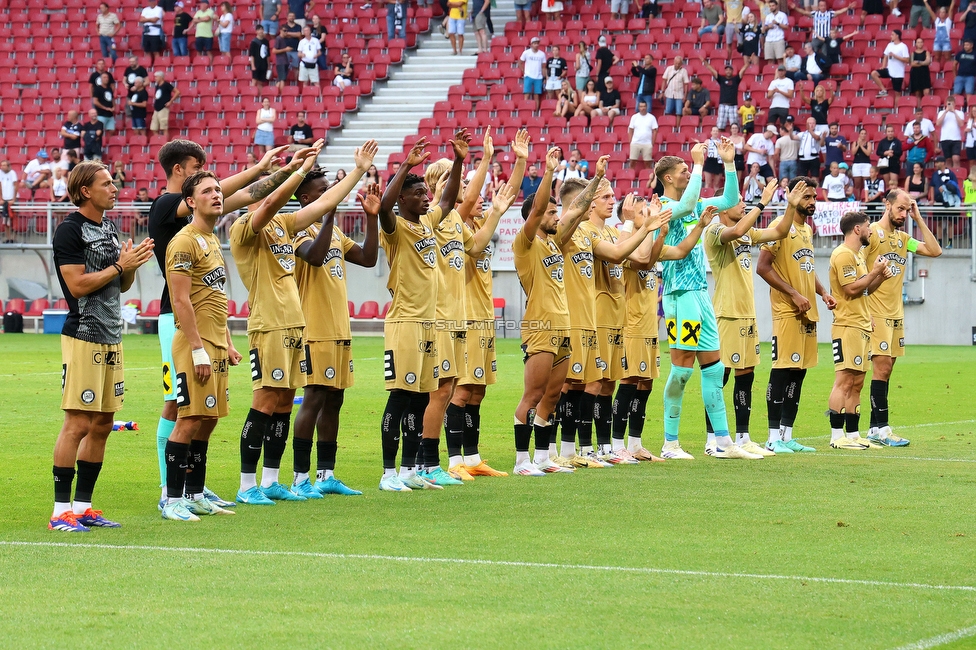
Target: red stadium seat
369	309
37	307
16	305
152	309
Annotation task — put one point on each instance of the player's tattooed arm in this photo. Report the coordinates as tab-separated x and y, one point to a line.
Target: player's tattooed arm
417	156
540	203
247	187
365	254
333	196
580	207
472	192
301	163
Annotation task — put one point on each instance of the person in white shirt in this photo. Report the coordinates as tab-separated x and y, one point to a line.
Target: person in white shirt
951	122
531	63
59	186
308	54
37	173
835	184
225	28
928	127
8	194
780	93
642	132
151	20
759	147
893	65
774	24
483	192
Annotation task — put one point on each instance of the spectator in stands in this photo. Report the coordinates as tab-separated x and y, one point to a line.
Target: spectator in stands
712	19
916	184
822	19
896	59
969	187
181	23
479	17
583	67
642	132
8	194
830	53
95	78
759	147
344	72
151	19
522	8
301	131
650	9
103	98
619	9
861	164
698	101
951	121
748	113
646	87
259	58
835	145
455	24
56	159
965	67
970	141
774	25
142	212
553	9
396	21
874	188
889	152
72	160
942	43
928	126
919	77
567	170
225	28
163	98
735	13
589	99
320	32
530	63
283	51
309	49
118	174
59	186
270	11
609	100
567	101
835	184
919	148
713	170
557	71
264	135
71	132
969	22
372	177
498	177
749	34
793	63
37	172
753	183
728	93
787	151
298	8
203	20
583	165
604	60
813	65
739	142
108	26
920	11
486	186
251	160
780	93
944	187
132	72
138	100
819	104
676	82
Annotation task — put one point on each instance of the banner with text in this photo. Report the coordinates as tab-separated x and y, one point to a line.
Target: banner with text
826	219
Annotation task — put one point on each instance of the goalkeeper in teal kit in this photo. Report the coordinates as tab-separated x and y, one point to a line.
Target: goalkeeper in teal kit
690	320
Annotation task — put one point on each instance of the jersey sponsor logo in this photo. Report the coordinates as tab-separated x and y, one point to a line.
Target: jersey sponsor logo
336	271
425	347
203	242
483	264
747	332
277	374
648	278
775	349
333	254
552	260
282	249
389	370
601	364
896	258
616	271
494	366
107	358
802	253
557	274
182	261
426	248
671	327
757	349
182	390
216	279
901	342
810	329
849	271
744	253
292	342
615	338
451	246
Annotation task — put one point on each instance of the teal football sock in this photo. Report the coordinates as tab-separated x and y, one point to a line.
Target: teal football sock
163	431
674	392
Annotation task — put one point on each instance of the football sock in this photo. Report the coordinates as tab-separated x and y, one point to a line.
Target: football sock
559	415
725	381
791	397
742	403
543	430
836	425
472	433
163	431
176	453
774	400
275	441
623	404
326	457
454	426
252	438
430	449
713	375
853	421
602	414
396	404
412	426
87	475
302	453
879	403
523	437
63	476
570	423
786	434
637	413
196	468
674	393
584	421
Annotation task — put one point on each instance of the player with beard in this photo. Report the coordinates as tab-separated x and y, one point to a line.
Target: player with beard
851	331
886	305
787	266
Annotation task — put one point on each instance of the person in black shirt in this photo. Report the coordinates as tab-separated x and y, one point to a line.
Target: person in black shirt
965	68
93	269
609	100
969	20
301	133
728	93
165	95
103	98
259	55
604	60
91	136
647	73
95	78
291	32
133	72
71	132
556	65
138	100
181	21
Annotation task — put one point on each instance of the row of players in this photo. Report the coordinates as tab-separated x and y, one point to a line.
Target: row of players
298	331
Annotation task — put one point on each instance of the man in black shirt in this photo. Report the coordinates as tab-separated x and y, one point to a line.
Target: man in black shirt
91	136
181	21
133	72
609	100
301	133
103	98
168	214
728	93
138	100
259	56
965	81
291	32
698	100
556	66
93	269
71	131
647	73
165	95
95	78
604	60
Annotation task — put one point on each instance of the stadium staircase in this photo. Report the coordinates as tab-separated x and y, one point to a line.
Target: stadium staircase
392	115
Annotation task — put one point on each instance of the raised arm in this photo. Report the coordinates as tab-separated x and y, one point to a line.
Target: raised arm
365	254
929	246
257	188
300	164
749	220
730	196
782	229
500	203
681	251
314	252
521	150
571	217
339	191
460	145
416	157
652	218
541	202
472	193
686	205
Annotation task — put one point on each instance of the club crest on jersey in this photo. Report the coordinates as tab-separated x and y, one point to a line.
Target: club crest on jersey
643	366
278	231
410	378
883	346
330	373
88	396
577	368
479	373
795	357
484	264
735	357
211	401
277	374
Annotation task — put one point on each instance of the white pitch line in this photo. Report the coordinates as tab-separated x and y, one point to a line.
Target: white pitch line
942	639
58	372
503	563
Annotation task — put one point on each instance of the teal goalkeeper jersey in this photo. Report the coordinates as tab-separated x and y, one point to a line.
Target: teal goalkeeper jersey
688	274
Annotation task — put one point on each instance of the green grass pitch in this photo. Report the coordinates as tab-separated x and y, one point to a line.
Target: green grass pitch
875	549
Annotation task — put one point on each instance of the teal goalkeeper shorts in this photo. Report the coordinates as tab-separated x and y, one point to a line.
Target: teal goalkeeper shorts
690	321
167	329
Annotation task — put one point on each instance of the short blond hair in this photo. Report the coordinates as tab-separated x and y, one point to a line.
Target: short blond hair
437	169
83	175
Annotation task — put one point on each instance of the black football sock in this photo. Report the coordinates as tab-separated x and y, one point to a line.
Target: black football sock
742	401
638	412
472	428
571	416
523	437
602	414
176	464
326	456
585	420
791	397
879	403
396	405
87	475
454	426
302	451
276	439
430	448
196	468
542	435
774	398
252	438
621	408
853	421
414	423
559	415
63	476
